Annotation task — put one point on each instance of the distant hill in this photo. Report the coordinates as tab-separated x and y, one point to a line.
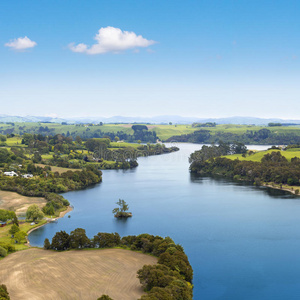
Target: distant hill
154	120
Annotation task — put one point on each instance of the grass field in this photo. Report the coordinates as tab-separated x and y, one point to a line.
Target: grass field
163	131
58	169
82	274
14	141
5	236
115	145
260	154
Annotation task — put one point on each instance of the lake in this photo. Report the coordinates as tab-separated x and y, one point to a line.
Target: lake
242	241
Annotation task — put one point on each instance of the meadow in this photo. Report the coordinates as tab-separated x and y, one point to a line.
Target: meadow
163	132
257	156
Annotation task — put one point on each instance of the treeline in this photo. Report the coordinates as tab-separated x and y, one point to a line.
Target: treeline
171	278
49	182
207	124
208	152
263	136
100	149
273	168
141	133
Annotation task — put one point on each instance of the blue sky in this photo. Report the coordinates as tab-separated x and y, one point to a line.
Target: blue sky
211	58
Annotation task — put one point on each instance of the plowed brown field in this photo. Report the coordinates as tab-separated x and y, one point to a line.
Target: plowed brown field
87	274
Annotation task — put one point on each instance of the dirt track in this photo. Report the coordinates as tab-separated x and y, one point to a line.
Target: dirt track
38	274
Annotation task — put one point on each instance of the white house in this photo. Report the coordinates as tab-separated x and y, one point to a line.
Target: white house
27	175
11	173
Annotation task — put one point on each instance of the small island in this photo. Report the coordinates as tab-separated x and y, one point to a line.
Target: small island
122	210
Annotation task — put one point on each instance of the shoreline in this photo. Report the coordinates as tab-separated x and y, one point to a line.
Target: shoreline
292	191
61	215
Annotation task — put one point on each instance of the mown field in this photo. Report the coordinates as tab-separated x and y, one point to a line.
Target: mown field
81	274
289	154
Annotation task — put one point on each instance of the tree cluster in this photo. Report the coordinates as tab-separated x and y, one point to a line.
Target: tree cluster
273	168
208	152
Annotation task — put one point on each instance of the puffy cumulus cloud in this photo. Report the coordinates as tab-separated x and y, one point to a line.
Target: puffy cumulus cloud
111	39
21	43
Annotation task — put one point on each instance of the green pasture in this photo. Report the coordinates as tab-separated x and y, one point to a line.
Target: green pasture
14	141
163	131
260	154
116	145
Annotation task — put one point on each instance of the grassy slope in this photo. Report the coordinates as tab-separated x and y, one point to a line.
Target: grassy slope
259	155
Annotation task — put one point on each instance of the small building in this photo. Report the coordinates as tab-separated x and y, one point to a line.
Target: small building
2	224
27	176
11	173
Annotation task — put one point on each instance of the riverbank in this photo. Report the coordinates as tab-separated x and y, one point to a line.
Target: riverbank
48	220
286	188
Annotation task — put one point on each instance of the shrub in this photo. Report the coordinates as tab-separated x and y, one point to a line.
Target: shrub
8	247
104	297
4	293
3	252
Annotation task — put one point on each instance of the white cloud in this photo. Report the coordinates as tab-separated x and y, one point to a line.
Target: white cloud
111	39
21	43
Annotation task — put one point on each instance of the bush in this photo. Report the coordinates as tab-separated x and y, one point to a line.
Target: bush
104	297
8	247
3	252
4	293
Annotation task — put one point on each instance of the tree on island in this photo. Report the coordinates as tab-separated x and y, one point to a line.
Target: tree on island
122	210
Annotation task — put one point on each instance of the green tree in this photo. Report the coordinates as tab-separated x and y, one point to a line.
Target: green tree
20	236
14	229
47	244
117	138
34	213
121	211
61	241
78	239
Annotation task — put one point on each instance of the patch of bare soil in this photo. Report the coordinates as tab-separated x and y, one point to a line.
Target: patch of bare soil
38	274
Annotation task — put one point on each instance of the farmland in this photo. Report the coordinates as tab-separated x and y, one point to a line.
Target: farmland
85	274
243	133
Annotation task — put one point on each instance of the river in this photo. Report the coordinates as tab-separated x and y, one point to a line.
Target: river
242	241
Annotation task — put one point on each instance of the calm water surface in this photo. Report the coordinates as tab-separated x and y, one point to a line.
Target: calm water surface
243	242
